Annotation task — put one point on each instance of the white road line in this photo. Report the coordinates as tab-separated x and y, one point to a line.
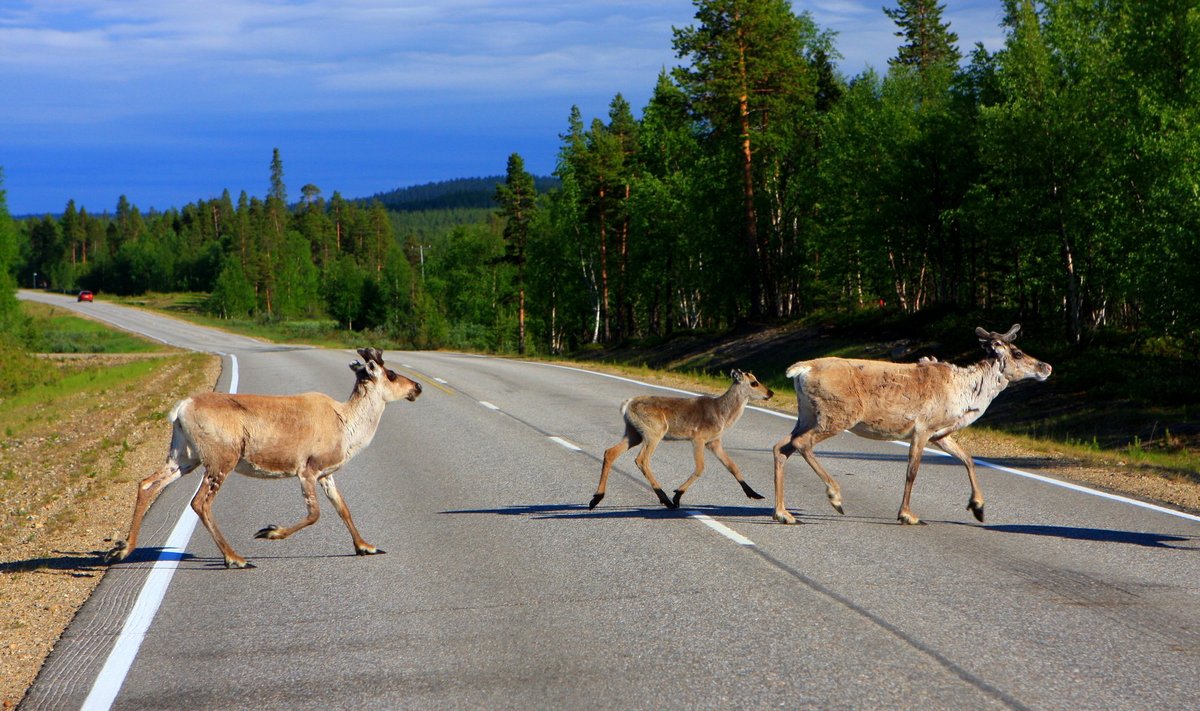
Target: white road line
443	382
1073	487
565	443
722	529
133	632
489	405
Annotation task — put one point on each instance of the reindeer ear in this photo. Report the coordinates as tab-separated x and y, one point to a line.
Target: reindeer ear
736	374
356	367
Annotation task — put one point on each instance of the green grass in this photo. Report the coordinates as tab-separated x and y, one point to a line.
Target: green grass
20	410
190	307
55	330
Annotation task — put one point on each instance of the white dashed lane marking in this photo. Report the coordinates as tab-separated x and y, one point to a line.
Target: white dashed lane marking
565	443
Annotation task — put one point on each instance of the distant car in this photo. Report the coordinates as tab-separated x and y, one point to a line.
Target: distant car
85	296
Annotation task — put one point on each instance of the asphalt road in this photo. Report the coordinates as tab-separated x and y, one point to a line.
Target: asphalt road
500	589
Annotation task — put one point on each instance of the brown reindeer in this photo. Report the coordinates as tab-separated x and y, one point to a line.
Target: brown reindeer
309	436
703	420
918	402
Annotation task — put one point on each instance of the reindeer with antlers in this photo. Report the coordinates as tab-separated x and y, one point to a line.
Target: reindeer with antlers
309	436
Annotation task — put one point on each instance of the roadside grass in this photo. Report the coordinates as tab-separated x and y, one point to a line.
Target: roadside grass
189	306
39	404
56	330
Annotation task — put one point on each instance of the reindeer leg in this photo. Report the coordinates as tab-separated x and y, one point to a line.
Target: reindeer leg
698	455
308	485
915	450
953	448
361	547
179	462
631	439
783	449
643	462
833	491
719	450
214	476
148	490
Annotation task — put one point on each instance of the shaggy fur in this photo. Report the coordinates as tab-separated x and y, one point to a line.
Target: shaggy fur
920	403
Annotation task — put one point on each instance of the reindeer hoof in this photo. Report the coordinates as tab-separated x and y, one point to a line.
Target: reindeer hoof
665	500
268	533
117	553
976	507
371	550
785	518
909	520
595	500
675	500
838	508
750	493
239	564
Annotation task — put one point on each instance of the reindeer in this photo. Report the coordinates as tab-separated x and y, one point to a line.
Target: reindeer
309	436
703	420
918	402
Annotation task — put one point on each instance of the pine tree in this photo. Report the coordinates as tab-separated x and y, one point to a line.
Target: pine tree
517	197
750	80
928	40
278	190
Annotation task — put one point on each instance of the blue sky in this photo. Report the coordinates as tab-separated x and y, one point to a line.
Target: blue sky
172	101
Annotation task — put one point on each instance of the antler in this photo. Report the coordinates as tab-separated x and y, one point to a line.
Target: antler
1008	337
372	354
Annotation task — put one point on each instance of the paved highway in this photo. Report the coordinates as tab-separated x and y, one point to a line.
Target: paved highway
501	590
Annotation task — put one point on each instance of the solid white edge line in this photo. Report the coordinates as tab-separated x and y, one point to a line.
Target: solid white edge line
489	405
978	462
565	443
722	529
443	382
133	632
1072	486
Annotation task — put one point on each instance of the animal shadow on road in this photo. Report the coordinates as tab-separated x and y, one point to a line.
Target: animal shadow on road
77	564
1099	535
582	512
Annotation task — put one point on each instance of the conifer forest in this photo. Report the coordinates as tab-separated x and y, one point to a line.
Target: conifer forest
1055	180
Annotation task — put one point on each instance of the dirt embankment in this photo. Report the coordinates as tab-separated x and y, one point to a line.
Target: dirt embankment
67	486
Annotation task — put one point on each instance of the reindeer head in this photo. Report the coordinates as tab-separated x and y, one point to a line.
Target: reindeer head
756	390
1015	364
395	386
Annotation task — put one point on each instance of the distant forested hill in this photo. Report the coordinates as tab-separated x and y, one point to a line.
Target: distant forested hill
450	194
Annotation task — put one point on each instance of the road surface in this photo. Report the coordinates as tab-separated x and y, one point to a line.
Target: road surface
501	590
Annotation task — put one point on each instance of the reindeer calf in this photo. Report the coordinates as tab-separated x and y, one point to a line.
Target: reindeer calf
703	420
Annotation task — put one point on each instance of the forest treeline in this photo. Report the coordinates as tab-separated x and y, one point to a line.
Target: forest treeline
1055	180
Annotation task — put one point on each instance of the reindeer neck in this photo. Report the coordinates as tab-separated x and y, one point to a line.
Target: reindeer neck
731	403
361	414
986	380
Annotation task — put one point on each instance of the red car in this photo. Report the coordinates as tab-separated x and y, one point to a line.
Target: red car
85	296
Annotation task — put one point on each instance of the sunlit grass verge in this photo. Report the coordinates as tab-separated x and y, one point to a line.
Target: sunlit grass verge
56	330
189	306
39	402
